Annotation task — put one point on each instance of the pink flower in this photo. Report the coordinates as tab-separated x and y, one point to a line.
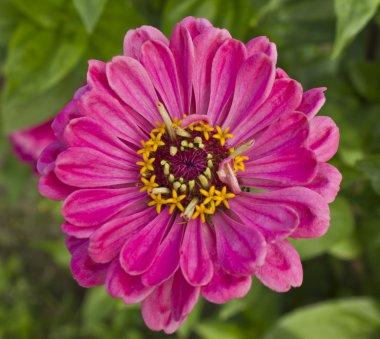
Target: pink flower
28	143
155	159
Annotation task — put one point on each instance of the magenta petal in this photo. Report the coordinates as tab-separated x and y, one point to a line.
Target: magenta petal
135	38
78	232
46	161
130	81
89	207
324	138
312	101
261	44
195	26
169	304
86	132
140	250
312	209
182	48
326	182
282	268
96	75
290	130
85	271
225	67
107	241
275	221
167	259
122	285
224	287
293	166
51	187
284	98
253	85
73	243
86	167
195	261
159	62
205	47
240	248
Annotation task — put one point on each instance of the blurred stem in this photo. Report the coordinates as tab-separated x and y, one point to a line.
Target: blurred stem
373	40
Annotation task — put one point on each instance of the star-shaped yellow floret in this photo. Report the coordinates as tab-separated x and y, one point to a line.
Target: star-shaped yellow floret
202	210
147	164
160	128
148	184
175	201
205	128
210	195
158	201
176	122
156	140
222	196
147	147
222	135
239	162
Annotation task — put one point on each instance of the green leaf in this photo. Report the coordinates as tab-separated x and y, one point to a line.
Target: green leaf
341	227
350	318
352	16
90	12
347	249
371	168
365	76
217	330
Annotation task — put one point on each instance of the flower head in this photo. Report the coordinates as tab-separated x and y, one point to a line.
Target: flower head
155	160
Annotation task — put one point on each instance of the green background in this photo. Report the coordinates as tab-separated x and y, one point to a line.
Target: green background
44	48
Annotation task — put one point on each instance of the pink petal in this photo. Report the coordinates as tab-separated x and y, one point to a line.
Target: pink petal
46	161
135	38
253	85
107	241
326	182
29	143
85	271
224	287
281	74
78	232
324	138
182	48
312	209
275	221
51	187
73	243
160	65
293	166
130	81
89	207
169	304
85	167
290	130
261	44
195	261
312	101
166	262
240	248
115	116
284	97
96	75
122	285
225	66
205	47
282	268
140	250
195	26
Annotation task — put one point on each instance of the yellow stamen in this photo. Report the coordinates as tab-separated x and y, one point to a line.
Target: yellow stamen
147	164
147	147
205	128
158	201
222	196
175	201
160	128
148	184
176	122
156	140
239	162
202	210
210	194
222	135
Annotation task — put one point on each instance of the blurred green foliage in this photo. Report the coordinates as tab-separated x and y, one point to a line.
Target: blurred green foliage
44	46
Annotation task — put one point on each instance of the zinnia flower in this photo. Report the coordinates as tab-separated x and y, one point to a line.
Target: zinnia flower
184	166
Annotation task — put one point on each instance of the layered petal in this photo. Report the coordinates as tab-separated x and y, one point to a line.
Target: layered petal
51	187
261	44
312	101
282	268
195	26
